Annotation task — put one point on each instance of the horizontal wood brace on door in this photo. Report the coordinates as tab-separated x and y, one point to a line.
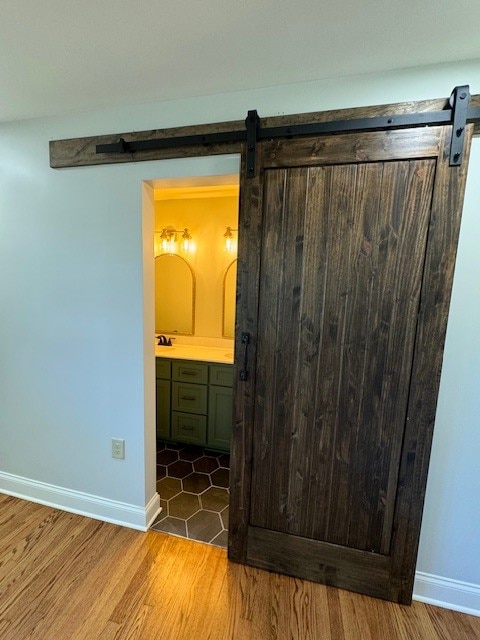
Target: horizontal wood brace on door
230	137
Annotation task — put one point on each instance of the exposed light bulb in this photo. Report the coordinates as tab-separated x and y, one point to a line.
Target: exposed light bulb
186	237
228	235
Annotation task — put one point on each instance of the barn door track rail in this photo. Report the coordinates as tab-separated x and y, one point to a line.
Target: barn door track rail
226	137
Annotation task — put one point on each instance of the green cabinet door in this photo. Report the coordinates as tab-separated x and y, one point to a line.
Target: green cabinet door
163	408
219	417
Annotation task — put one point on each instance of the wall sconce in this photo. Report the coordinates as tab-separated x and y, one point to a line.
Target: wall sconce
168	237
229	237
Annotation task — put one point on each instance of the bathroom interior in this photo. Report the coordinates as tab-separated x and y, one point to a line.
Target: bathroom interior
195	248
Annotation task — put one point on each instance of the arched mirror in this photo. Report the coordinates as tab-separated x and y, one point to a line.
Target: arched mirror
229	300
174	295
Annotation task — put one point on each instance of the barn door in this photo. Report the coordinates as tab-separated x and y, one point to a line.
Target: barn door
345	270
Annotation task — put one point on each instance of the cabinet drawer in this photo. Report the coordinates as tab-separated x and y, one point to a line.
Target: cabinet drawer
221	375
189	397
162	368
190	372
189	428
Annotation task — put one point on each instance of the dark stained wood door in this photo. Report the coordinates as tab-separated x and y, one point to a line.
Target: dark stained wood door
347	249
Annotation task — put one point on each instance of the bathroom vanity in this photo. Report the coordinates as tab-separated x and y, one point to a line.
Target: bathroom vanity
194	396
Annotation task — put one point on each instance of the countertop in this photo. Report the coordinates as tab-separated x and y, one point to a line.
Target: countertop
195	352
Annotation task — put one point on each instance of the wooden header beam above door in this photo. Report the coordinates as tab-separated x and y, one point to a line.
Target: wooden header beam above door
229	137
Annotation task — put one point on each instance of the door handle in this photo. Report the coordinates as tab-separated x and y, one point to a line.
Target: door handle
246	342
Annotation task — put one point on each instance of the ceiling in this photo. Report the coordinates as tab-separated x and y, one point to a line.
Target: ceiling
63	56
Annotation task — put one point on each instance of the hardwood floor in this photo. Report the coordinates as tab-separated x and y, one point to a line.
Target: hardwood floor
66	577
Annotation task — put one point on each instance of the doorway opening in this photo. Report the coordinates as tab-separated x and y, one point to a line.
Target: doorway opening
195	255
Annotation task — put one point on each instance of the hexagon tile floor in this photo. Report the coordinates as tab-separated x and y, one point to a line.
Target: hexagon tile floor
193	486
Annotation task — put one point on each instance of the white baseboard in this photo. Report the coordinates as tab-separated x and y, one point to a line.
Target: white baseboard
126	515
447	593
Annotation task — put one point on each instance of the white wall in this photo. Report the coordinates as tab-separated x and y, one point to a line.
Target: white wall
72	337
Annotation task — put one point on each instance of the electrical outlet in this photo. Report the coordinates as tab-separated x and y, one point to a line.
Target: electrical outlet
118	448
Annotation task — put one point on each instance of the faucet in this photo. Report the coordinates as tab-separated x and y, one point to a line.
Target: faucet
163	341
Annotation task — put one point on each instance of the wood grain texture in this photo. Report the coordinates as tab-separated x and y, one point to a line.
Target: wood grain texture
338	304
66	576
77	152
342	364
373	146
316	560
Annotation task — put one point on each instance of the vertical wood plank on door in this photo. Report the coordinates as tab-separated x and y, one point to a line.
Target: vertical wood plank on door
307	473
336	441
288	449
267	395
366	279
